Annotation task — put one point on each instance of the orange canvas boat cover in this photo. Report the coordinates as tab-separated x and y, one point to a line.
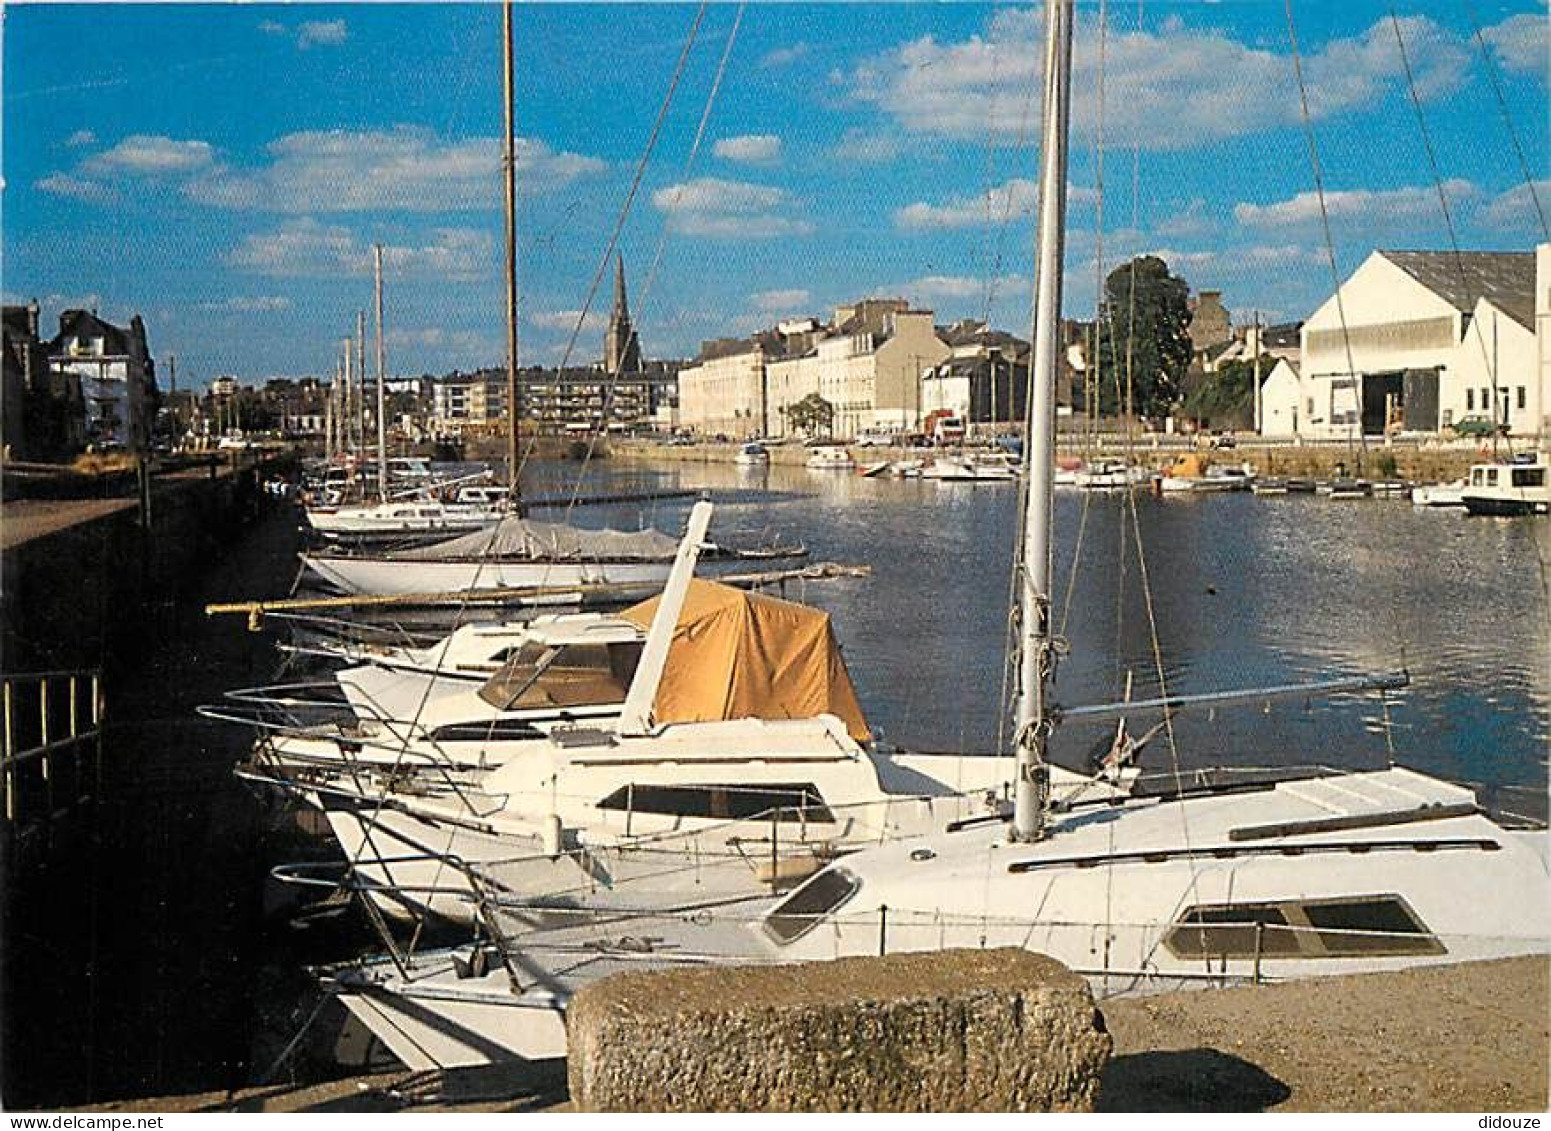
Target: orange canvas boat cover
740	655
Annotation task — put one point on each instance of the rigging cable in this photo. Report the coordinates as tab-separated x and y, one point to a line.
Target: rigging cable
1488	361
1324	219
596	433
1502	106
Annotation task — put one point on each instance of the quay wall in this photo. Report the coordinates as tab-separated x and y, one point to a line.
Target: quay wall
1417	463
125	907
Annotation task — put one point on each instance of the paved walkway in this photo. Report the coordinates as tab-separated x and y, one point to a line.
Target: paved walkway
22	520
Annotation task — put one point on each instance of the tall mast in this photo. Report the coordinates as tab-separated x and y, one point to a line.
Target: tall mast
360	377
382	382
1032	717
347	426
509	170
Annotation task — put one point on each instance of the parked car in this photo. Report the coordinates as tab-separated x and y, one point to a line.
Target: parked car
1479	426
1224	441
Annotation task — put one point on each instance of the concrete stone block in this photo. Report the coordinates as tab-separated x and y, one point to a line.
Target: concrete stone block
957	1030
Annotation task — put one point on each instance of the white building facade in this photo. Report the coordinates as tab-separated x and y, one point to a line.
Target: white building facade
1419	342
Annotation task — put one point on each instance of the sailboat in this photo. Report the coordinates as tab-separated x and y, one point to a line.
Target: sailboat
414	513
1343	873
505	550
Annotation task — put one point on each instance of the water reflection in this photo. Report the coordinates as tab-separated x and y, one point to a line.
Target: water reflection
1245	591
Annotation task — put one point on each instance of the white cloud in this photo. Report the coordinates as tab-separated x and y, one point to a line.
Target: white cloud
150	155
1012	200
750	149
310	33
77	188
781	302
1383	206
1170	88
80	138
406	168
866	147
306	248
1191	220
249	304
1521	43
462	342
1515	208
930	289
784	56
321	33
565	320
711	206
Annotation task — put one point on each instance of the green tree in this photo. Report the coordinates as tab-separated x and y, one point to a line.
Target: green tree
1226	398
811	415
1143	316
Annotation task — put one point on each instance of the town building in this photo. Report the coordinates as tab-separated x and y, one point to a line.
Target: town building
1280	400
42	414
1420	341
472	403
985	380
116	373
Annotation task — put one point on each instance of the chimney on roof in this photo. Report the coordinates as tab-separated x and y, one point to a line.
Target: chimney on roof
33	312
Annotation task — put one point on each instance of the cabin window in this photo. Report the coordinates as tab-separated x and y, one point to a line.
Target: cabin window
801	911
1470	400
1491	477
1475	477
571	675
787	802
1529	477
1369	925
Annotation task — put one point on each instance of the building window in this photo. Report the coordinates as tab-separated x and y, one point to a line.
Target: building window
1470	400
1521	397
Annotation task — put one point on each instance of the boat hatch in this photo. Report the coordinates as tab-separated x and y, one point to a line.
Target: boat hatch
1365	926
780	802
806	907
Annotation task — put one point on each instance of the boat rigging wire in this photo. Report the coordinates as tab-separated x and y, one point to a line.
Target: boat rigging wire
1502	106
1324	219
595	434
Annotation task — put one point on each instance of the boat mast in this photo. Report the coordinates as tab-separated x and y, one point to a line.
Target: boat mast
509	169
382	396
1032	718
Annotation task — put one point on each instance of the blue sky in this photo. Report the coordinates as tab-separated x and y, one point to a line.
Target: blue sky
224	170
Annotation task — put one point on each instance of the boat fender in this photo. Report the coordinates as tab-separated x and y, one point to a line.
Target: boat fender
553	836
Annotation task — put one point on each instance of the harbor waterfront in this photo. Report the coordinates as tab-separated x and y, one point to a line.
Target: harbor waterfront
1271	589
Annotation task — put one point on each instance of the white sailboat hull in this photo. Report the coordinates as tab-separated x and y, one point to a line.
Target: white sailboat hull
369	576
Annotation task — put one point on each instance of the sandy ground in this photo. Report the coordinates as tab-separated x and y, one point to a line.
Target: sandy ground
1473	1037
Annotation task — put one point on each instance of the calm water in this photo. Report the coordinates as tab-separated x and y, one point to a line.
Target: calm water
1245	591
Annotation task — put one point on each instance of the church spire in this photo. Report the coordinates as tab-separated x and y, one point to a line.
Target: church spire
621	307
621	350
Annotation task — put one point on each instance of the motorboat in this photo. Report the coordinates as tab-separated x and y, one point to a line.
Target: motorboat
986	467
752	455
1449	494
830	457
1505	489
1194	473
